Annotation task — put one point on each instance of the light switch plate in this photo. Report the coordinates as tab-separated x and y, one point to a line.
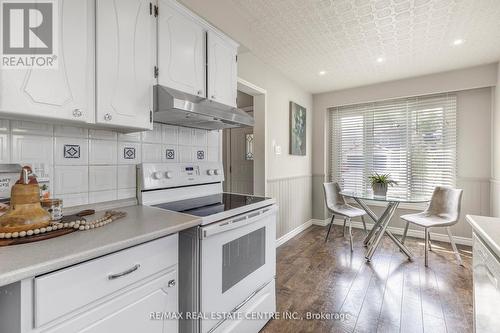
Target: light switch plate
277	150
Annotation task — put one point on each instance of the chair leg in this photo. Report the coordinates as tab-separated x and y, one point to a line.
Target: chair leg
364	224
426	248
350	234
343	228
430	241
454	246
405	232
329	228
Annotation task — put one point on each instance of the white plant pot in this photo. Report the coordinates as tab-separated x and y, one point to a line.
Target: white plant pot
379	189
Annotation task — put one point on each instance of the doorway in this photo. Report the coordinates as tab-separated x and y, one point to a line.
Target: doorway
238	153
244	149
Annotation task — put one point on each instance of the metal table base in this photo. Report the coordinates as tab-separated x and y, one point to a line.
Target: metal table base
372	240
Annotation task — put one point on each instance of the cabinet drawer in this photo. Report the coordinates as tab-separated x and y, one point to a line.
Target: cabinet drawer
69	289
131	311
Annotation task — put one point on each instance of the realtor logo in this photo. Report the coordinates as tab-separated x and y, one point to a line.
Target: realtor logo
28	34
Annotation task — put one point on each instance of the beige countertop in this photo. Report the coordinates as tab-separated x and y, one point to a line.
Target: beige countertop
488	229
142	224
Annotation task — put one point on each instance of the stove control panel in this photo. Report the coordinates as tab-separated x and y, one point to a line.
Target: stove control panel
165	175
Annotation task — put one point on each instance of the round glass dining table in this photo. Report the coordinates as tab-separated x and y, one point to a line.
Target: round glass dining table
372	240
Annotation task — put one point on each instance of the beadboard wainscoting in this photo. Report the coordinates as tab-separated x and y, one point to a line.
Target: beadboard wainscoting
495	197
87	166
294	197
475	201
318	197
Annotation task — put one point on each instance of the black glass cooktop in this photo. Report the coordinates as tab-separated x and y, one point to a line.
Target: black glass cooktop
211	204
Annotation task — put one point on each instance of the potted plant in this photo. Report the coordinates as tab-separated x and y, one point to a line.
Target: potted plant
380	183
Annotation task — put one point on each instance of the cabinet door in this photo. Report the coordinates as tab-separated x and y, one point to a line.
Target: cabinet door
126	37
222	76
181	50
62	93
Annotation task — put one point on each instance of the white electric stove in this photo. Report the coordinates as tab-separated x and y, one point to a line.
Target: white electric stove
227	265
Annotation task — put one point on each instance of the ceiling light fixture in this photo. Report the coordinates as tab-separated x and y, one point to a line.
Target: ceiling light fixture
458	42
322	72
380	60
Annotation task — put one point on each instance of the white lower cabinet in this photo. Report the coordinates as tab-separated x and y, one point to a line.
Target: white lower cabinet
131	312
127	291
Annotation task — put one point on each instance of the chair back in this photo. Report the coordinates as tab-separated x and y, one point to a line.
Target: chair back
446	203
333	197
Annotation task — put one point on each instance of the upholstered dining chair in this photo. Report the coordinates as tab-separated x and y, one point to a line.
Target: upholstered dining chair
443	211
337	206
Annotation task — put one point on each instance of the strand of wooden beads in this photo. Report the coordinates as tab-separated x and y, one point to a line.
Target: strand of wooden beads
108	217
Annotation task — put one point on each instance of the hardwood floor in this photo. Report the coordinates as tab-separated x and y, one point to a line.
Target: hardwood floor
390	294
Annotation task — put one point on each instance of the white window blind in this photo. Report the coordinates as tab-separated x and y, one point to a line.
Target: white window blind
413	139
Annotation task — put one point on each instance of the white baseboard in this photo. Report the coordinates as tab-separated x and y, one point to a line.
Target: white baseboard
285	238
399	231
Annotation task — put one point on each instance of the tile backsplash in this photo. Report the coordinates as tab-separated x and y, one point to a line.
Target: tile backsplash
87	165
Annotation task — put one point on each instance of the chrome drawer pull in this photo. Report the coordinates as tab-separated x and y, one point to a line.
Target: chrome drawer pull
171	283
127	272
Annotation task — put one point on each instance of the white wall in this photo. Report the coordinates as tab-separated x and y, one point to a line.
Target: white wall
474	93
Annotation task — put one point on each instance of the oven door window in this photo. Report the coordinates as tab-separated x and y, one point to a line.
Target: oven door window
243	256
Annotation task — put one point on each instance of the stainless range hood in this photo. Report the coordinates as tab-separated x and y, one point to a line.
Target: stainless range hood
178	108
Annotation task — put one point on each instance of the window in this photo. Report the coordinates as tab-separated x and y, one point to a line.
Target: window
249	146
413	139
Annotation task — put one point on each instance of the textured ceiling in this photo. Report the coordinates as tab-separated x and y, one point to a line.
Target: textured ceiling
346	37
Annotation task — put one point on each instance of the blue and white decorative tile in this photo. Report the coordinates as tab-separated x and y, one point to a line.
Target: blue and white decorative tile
129	153
170	153
71	151
200	154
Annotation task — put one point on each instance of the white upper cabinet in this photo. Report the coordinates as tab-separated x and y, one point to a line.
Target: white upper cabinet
64	93
126	58
181	50
109	59
222	70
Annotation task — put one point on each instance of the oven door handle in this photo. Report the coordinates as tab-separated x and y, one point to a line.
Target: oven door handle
237	222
